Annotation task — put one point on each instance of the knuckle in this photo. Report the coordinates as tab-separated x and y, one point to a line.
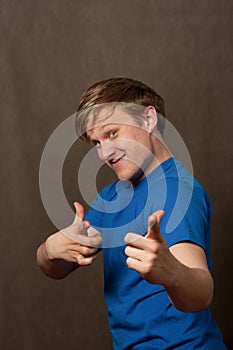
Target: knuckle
79	259
128	262
151	258
126	238
147	269
154	247
85	251
127	251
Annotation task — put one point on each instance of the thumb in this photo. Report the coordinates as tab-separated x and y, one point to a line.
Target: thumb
153	226
79	211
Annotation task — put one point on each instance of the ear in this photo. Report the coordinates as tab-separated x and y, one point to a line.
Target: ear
151	118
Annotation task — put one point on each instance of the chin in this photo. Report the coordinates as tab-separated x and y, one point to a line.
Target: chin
132	177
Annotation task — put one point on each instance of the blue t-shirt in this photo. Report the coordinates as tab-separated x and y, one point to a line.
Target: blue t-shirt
140	314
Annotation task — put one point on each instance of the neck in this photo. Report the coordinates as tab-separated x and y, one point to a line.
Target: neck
160	151
160	155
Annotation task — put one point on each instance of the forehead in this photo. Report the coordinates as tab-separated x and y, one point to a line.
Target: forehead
107	116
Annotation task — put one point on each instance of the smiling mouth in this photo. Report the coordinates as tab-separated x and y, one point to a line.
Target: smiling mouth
114	163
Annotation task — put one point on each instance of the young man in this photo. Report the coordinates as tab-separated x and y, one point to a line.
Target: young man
153	225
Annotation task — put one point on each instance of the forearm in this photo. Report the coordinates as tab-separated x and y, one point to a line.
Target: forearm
53	268
191	288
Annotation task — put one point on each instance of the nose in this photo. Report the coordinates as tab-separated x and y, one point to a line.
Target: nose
106	151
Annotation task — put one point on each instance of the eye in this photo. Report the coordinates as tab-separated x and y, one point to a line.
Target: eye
95	143
111	134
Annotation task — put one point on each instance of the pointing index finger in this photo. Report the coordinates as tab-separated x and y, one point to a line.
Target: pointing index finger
137	241
131	237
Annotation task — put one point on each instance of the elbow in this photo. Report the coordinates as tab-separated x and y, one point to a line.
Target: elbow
210	294
194	305
50	274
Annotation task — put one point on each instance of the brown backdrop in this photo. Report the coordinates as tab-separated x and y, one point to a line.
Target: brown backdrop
51	50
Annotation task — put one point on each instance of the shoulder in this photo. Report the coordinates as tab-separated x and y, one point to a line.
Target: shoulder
182	186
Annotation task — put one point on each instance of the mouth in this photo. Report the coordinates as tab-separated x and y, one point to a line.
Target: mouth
114	163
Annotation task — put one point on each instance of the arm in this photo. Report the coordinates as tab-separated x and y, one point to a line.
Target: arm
59	255
182	269
193	291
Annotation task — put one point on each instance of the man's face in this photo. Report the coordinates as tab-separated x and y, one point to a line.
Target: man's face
123	142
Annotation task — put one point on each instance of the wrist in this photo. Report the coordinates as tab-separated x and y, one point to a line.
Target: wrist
176	273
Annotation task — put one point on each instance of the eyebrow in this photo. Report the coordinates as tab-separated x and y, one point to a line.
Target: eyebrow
110	125
105	129
89	137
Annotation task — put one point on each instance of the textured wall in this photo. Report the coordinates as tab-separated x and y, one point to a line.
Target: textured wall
50	52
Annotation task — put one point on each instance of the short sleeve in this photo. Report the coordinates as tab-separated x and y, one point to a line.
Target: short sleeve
188	221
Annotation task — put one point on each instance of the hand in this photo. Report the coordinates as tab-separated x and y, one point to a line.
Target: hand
149	255
73	244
